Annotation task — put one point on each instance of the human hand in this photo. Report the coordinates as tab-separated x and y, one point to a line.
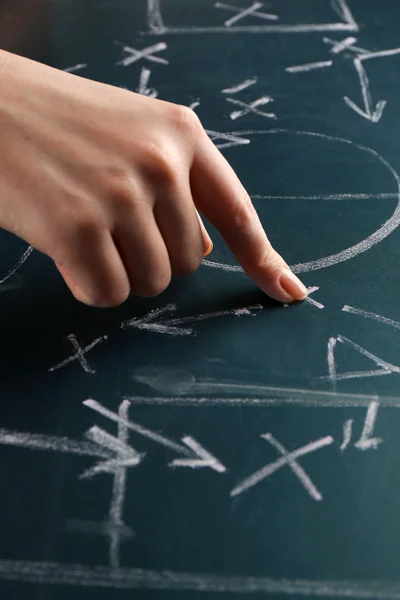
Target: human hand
106	182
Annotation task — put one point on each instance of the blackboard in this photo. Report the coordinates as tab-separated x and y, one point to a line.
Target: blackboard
211	442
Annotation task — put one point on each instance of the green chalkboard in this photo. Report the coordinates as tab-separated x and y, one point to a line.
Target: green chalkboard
211	442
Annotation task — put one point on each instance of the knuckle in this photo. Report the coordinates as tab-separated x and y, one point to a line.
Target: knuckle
161	166
243	215
186	120
271	260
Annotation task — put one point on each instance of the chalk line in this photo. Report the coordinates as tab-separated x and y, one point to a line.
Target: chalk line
18	264
154	16
260	29
369	315
331	361
356	196
347	433
309	67
135	578
376	237
119	490
143	431
75	68
287	458
252	10
379	54
79	354
206	459
240	86
367	441
52	443
84	527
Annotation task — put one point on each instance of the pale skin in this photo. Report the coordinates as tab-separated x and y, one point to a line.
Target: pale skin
110	185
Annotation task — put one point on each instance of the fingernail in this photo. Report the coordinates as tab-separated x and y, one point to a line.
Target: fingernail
209	249
292	285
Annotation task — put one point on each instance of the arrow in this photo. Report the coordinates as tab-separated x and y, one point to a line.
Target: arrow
169	326
148	322
124	454
52	443
195	455
368	113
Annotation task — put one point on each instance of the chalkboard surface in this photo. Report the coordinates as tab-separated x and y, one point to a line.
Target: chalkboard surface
210	442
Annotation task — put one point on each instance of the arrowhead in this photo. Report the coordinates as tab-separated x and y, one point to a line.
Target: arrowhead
149	322
124	454
201	457
374	117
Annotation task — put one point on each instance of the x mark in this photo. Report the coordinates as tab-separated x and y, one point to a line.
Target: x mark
79	354
251	107
245	12
146	54
289	459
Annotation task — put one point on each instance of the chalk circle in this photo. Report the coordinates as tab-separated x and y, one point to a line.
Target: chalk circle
350	252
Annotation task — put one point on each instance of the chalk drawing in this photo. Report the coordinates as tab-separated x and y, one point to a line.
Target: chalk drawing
327	261
289	459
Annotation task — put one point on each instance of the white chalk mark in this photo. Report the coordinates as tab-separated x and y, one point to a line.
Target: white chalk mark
215	393
309	67
149	323
194	105
380	54
386	368
378	361
369	113
367	441
154	16
311	301
191	450
240	86
260	29
42	572
119	489
143	83
84	527
338	47
289	459
343	11
238	312
229	140
241	14
11	287
206	459
75	68
321	263
347	433
148	53
18	264
252	10
251	107
143	431
355	196
52	443
349	46
79	354
126	456
369	315
169	326
331	361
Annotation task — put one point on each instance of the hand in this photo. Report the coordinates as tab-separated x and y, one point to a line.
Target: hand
106	182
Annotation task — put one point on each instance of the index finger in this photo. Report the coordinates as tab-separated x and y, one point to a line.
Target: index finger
220	196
